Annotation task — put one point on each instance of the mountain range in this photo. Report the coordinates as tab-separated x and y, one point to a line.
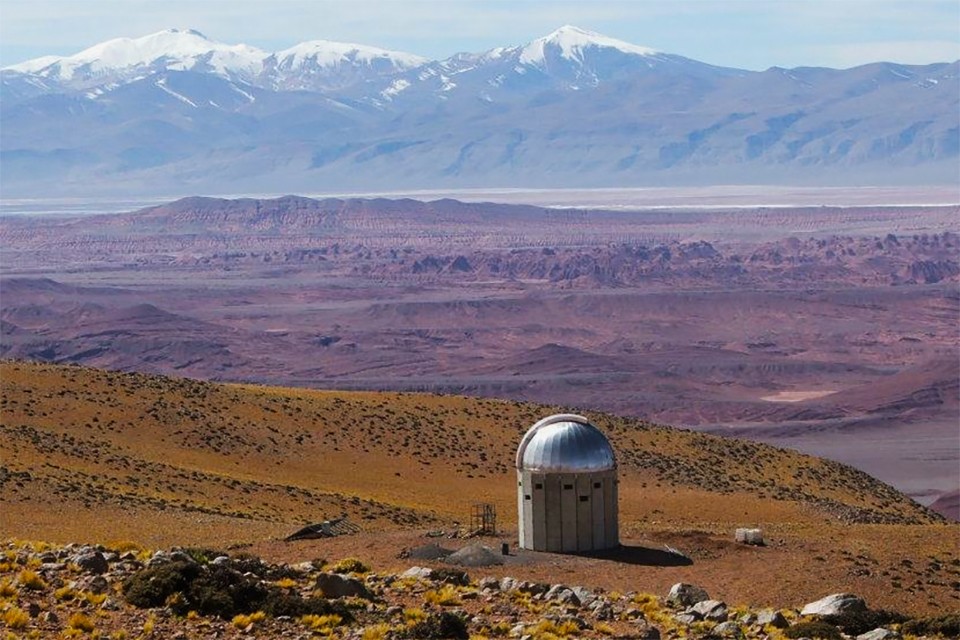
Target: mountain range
176	112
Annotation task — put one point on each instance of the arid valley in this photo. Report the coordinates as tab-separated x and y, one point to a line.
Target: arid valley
829	329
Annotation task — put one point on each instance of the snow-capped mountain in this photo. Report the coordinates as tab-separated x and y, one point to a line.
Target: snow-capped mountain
126	58
175	111
323	64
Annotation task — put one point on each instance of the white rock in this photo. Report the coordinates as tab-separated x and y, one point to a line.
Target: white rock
835	604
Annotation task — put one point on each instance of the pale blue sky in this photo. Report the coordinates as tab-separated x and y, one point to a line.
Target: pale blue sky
752	34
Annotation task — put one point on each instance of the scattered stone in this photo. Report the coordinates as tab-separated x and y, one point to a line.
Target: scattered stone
729	629
773	618
879	634
686	618
749	536
648	633
33	609
488	582
94	584
713	610
586	596
834	605
686	595
110	605
336	585
50	617
419	573
220	561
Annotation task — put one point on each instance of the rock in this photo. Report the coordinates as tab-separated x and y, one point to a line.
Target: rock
686	618
648	633
220	561
91	562
729	629
33	609
52	567
336	585
50	617
772	618
488	582
749	536
603	611
110	605
586	596
834	605
713	610
48	556
686	595
419	573
394	611
508	584
879	634
94	584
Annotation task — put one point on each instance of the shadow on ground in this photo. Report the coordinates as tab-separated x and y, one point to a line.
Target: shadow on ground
631	554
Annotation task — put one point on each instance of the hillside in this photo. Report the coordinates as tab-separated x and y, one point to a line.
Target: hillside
99	456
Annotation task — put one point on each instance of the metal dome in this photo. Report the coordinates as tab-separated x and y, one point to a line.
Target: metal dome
565	443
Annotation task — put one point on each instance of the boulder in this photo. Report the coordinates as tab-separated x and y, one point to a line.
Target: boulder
879	634
686	618
686	595
773	618
91	562
586	596
94	584
420	573
713	610
337	585
834	605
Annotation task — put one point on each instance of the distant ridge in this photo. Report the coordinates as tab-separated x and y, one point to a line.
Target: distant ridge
176	112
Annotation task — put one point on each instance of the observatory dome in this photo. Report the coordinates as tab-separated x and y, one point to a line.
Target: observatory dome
565	444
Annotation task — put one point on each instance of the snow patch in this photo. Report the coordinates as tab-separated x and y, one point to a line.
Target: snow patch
395	88
162	84
572	42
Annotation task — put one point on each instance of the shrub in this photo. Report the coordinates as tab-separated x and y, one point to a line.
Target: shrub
152	586
81	622
855	623
439	626
349	565
813	629
375	632
445	596
219	591
16	618
947	626
32	580
7	590
322	624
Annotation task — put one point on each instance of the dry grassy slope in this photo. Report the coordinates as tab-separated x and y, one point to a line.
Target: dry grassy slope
195	453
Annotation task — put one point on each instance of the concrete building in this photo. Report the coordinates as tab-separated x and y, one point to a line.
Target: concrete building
567	487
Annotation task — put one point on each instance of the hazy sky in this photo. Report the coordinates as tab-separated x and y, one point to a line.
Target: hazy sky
752	34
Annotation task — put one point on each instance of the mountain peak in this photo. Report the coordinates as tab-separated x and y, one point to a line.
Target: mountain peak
572	41
173	48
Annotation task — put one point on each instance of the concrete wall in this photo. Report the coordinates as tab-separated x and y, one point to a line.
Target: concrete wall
568	512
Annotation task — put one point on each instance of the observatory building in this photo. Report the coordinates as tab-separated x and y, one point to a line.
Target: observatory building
567	487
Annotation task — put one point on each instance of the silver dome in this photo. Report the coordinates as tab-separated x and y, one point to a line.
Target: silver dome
565	443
